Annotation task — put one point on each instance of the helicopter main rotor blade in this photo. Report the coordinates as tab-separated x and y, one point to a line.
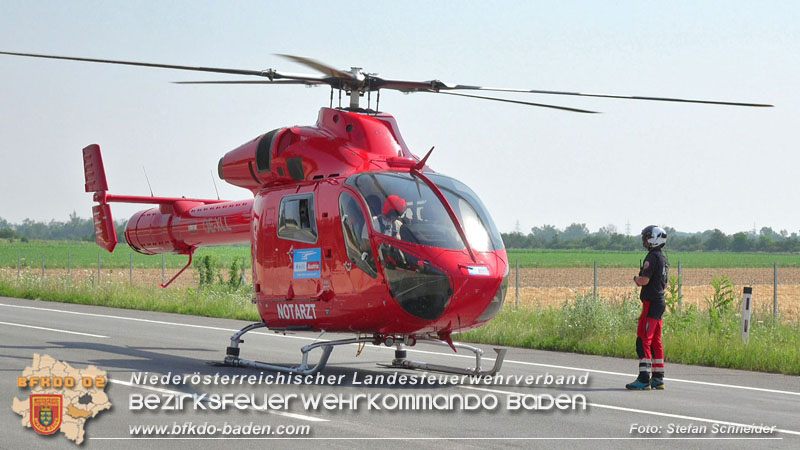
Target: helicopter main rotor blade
318	66
406	85
563	108
356	80
439	86
624	97
306	82
260	73
269	73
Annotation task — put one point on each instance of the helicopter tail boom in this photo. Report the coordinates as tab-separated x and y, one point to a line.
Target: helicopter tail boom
176	225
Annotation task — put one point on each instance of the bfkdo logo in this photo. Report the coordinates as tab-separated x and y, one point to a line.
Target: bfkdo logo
62	398
46	412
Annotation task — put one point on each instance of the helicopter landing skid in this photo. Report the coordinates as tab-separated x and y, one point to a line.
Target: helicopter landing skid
232	353
400	361
232	358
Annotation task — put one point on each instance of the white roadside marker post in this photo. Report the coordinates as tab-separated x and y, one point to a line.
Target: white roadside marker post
516	287
747	306
775	291
680	286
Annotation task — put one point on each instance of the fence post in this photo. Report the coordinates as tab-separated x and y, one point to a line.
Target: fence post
747	304
594	286
43	274
98	267
163	269
680	286
69	266
19	263
775	292
131	269
244	281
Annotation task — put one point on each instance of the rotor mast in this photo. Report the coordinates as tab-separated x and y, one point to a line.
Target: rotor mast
356	86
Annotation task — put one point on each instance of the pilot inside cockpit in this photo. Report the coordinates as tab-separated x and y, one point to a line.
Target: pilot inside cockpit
392	217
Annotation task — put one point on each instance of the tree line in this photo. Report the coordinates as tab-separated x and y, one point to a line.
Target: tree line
577	236
74	229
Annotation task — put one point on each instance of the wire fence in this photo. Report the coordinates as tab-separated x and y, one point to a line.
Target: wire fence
774	288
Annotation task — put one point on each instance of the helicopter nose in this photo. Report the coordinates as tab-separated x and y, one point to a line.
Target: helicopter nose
422	289
497	302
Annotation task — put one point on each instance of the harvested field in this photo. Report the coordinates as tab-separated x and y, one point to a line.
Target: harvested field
141	277
551	287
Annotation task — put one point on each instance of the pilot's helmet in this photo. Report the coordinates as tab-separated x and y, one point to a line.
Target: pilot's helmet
394	203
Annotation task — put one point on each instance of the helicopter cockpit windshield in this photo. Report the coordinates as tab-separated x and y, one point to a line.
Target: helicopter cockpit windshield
403	206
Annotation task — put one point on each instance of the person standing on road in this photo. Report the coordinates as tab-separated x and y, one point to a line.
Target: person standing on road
652	278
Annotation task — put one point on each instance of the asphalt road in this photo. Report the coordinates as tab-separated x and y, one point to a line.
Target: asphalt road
124	342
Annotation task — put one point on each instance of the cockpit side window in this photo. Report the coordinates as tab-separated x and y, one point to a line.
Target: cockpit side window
297	221
356	235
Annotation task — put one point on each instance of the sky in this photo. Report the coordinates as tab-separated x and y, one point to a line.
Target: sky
690	167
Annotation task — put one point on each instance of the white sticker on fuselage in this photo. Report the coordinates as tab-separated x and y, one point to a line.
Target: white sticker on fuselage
478	270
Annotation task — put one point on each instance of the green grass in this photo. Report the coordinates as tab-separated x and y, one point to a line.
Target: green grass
218	301
598	327
586	258
84	255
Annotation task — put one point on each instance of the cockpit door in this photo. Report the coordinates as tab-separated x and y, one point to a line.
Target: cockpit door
361	263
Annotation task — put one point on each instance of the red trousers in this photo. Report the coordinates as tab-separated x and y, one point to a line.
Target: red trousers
648	342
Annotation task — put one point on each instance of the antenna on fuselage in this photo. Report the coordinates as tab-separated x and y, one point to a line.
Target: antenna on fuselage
148	182
215	183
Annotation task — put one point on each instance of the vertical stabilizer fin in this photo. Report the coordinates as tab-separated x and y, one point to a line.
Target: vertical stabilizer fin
95	175
104	233
93	169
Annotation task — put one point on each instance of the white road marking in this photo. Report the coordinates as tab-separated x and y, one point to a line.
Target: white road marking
580	369
409	438
626	375
169	391
52	329
639	411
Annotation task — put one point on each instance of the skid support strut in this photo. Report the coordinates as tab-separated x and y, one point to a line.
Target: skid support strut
401	362
232	354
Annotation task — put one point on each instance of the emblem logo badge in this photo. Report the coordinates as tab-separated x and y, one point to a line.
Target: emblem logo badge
46	413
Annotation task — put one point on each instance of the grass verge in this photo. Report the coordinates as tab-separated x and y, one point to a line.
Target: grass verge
217	301
585	325
598	327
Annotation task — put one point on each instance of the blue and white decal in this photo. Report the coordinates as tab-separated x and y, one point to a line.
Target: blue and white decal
307	262
481	271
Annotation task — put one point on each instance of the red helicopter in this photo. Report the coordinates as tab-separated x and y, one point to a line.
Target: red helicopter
349	230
